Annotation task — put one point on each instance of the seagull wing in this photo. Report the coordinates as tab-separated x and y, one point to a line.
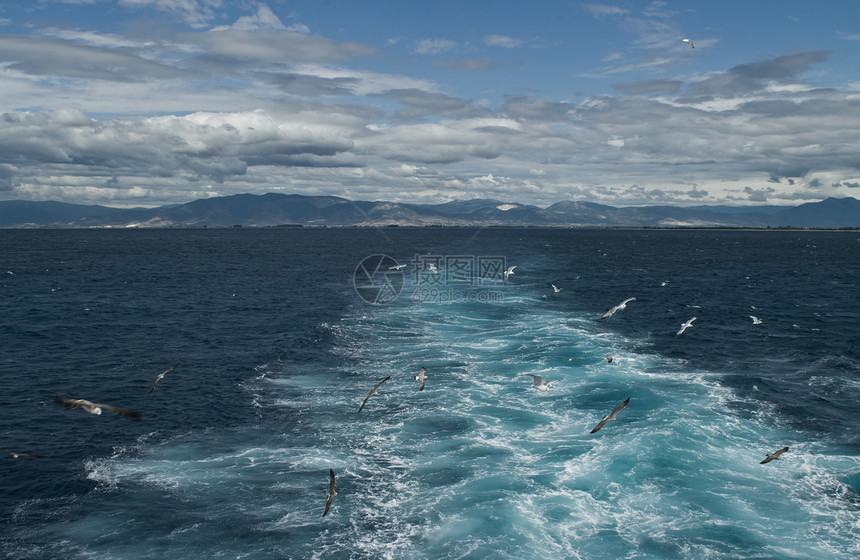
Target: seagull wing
372	392
774	455
71	403
126	412
610	312
331	491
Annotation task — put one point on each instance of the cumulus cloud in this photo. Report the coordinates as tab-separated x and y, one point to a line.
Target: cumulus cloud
258	105
434	46
502	41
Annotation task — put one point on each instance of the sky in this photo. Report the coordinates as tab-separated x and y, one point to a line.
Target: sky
149	102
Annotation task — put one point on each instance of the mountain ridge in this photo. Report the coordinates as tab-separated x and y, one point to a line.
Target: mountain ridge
277	209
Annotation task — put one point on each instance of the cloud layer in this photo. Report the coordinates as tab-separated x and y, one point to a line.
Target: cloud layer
263	105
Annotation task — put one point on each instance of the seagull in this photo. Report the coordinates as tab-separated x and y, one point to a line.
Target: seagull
611	415
774	455
18	455
619	307
95	408
432	268
331	492
684	326
540	384
690	41
756	320
555	288
372	392
420	378
507	273
160	375
609	358
397	267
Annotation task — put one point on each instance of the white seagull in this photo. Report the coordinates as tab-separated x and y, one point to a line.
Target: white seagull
17	455
162	374
421	377
331	492
611	416
690	41
95	408
774	455
432	268
756	320
397	267
555	288
372	392
507	273
540	384
619	307
685	326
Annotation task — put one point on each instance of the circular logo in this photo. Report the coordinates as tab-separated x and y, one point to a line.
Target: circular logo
378	279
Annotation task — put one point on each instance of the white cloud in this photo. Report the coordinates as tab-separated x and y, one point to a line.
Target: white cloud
434	46
502	41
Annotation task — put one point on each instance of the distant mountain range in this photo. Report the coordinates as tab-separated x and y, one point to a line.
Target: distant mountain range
275	209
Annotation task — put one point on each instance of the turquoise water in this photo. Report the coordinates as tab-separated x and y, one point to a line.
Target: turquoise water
277	352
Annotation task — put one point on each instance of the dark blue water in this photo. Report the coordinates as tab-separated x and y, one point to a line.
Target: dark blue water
276	351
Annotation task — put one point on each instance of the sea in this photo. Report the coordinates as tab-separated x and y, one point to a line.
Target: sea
279	335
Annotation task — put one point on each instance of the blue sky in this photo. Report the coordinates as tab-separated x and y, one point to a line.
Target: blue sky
150	102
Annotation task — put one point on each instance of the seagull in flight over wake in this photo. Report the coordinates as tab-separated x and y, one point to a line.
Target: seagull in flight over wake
507	273
160	375
690	42
397	267
555	288
95	408
756	320
611	416
372	392
540	384
421	377
774	455
619	307
685	326
18	455
331	492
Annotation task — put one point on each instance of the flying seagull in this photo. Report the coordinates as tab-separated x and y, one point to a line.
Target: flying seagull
685	326
160	375
507	273
690	41
18	455
619	307
611	415
420	378
774	455
331	492
555	288
397	267
756	320
540	384
372	392
95	408
432	268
